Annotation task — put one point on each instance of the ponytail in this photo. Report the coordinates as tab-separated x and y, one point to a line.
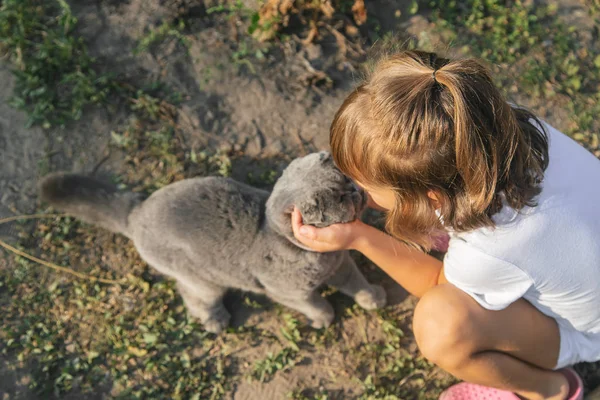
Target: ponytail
475	147
492	141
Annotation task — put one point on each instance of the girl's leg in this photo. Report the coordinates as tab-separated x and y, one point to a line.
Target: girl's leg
512	349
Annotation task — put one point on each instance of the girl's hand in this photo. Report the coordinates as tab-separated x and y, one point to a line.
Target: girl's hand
333	238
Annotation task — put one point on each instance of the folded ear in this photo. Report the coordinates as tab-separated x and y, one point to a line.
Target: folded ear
325	157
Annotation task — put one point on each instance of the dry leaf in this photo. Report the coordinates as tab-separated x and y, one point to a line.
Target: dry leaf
286	6
327	9
312	34
351	30
360	12
268	12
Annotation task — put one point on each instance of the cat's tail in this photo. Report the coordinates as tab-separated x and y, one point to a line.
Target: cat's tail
90	200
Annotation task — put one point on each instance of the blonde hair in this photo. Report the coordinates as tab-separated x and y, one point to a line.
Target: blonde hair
422	123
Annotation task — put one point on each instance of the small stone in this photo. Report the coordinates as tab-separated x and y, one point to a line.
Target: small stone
225	147
276	147
351	30
313	51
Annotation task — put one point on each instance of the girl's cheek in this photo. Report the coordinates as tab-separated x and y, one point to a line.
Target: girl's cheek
381	202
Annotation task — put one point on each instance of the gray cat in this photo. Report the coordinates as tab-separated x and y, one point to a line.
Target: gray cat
213	233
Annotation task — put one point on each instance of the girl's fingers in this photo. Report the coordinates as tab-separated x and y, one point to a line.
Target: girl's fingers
296	220
309	232
300	230
306	234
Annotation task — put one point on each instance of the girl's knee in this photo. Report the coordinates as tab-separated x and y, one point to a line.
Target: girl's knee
441	326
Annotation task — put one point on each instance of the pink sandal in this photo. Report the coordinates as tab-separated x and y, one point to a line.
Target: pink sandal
470	391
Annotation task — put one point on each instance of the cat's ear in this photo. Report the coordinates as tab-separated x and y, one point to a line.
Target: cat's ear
325	157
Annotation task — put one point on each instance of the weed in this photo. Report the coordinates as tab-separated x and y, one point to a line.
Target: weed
246	50
500	33
557	61
252	303
162	33
269	366
81	336
55	78
231	10
239	10
267	177
151	104
376	392
303	395
290	331
242	56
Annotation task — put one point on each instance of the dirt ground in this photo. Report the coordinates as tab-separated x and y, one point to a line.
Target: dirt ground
258	113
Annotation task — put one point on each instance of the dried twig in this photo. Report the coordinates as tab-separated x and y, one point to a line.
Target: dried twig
46	263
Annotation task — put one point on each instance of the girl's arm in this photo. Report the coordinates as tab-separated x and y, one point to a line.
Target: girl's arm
414	270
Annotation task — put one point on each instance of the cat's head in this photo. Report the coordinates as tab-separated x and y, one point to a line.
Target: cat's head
315	186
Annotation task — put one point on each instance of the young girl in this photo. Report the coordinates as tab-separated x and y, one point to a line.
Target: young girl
517	297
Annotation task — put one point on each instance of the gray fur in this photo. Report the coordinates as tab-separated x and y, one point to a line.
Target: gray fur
211	234
92	200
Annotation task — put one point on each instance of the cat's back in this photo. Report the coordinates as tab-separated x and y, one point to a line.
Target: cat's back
211	209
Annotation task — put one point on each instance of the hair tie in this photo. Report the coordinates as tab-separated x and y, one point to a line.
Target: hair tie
432	59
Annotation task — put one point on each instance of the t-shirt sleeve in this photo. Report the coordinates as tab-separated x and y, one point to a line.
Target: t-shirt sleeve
493	283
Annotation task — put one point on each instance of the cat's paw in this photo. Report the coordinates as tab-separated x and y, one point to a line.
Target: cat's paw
322	320
371	299
217	322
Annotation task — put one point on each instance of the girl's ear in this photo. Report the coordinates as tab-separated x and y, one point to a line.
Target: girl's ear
435	199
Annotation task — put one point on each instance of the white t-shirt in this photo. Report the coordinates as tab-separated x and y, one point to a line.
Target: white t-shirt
548	254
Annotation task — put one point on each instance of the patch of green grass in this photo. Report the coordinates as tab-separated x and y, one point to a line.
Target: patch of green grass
219	162
55	78
267	177
252	303
302	394
124	346
237	9
166	31
246	49
594	8
290	331
76	337
266	368
222	160
553	59
499	32
263	370
389	371
154	147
